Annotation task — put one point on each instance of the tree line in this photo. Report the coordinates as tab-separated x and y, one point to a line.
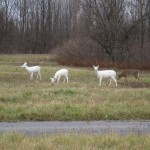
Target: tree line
118	30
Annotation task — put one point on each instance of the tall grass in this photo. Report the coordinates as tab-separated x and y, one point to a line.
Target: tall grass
81	99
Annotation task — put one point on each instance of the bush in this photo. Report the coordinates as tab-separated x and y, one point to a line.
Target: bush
86	52
79	52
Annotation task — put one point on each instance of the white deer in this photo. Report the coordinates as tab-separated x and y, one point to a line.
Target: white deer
32	70
105	74
60	73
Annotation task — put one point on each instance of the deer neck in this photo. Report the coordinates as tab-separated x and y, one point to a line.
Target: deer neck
96	72
27	68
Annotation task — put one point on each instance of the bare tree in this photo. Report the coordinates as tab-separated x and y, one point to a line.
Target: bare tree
118	27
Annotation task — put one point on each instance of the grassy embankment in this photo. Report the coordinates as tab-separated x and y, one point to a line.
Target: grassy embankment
81	99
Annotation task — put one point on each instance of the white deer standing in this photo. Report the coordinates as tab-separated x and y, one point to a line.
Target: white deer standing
105	74
32	70
60	73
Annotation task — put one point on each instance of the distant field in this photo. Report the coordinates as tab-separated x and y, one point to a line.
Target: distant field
81	99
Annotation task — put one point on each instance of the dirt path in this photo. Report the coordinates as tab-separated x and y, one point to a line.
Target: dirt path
96	127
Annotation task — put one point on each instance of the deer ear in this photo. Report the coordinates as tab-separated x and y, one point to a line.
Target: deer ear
98	66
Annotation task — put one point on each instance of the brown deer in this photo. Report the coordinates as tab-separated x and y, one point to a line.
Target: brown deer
127	73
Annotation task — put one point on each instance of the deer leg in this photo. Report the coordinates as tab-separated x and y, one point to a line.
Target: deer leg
116	82
31	76
100	81
64	79
39	75
67	79
58	80
137	77
109	83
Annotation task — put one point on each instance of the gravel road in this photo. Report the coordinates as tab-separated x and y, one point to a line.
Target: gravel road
92	127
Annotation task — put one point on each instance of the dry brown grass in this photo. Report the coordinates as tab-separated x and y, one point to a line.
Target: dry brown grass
75	142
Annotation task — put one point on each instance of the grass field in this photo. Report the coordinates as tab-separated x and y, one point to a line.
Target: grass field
81	99
75	142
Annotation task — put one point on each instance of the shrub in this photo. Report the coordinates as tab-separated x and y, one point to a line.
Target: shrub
79	52
86	52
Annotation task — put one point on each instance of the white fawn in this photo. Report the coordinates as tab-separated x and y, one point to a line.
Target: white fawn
60	73
32	70
111	74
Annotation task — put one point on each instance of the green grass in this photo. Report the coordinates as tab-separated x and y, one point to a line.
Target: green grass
81	99
74	142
